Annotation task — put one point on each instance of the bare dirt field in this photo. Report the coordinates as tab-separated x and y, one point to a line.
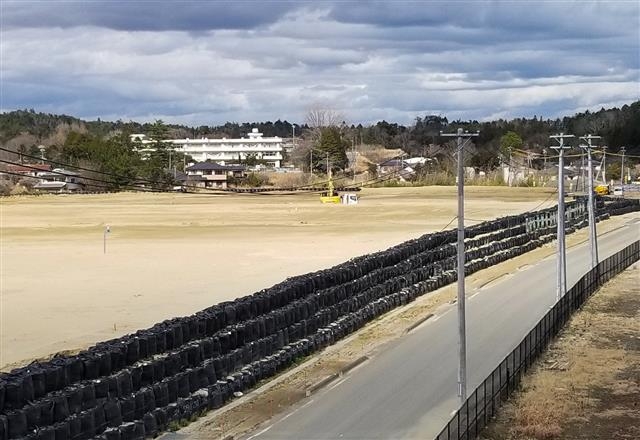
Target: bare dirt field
587	384
173	254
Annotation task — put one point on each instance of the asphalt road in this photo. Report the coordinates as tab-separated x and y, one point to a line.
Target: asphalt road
409	390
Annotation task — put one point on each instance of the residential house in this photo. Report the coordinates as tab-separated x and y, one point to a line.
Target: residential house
59	180
401	169
29	169
212	174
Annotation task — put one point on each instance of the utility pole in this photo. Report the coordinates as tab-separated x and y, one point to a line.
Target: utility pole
562	255
462	137
544	152
311	163
622	150
582	171
593	238
293	137
510	178
328	169
353	155
604	164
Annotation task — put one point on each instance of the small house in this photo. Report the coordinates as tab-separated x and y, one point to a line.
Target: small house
212	175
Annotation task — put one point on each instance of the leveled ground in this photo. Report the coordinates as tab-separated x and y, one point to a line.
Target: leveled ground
173	254
587	385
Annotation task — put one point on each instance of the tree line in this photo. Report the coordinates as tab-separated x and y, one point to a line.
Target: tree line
106	146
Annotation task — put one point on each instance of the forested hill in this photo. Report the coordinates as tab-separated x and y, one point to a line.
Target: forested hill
49	128
618	126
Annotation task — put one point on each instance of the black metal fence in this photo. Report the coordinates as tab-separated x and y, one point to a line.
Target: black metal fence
481	406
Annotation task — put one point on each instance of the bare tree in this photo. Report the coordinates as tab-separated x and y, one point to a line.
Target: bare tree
320	116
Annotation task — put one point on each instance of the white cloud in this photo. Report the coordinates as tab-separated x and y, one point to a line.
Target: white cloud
395	61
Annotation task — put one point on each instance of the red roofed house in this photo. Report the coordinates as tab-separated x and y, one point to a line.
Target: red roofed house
30	169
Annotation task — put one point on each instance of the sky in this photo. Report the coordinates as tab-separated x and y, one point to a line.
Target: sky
209	62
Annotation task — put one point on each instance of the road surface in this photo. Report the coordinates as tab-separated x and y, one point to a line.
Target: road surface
409	390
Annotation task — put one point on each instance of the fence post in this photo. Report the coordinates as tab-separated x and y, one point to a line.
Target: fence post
484	401
475	421
467	412
508	378
493	394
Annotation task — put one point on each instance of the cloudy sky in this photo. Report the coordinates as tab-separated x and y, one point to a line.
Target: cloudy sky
206	62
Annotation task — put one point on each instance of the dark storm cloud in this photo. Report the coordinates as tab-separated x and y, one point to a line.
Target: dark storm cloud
209	62
520	17
191	16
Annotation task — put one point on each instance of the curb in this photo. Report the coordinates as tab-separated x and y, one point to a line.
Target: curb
350	366
327	380
417	323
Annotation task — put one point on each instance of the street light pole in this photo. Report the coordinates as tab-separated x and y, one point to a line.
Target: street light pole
462	332
562	255
593	238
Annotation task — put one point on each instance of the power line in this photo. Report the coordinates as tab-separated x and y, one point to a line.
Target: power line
68	165
60	173
63	164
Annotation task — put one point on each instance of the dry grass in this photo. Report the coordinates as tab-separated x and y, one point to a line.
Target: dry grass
284	180
588	378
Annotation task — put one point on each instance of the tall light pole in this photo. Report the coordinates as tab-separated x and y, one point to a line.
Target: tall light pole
562	255
593	238
462	333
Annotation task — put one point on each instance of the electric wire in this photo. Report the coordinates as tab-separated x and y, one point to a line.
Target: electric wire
68	165
102	183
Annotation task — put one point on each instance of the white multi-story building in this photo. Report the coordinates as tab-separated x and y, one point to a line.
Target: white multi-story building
223	151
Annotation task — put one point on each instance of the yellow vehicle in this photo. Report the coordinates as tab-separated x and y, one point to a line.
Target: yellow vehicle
602	190
330	196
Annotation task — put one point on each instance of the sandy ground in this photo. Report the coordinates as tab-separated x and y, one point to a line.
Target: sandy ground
587	384
172	254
